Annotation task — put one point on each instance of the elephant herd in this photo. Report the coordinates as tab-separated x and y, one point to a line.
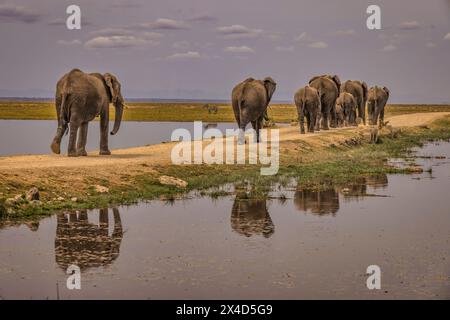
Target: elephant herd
324	102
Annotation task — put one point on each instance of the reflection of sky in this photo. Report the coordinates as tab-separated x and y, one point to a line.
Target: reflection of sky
201	48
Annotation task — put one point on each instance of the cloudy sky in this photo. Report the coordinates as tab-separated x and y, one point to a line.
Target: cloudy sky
199	49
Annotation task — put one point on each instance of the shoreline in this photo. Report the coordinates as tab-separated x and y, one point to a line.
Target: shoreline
334	157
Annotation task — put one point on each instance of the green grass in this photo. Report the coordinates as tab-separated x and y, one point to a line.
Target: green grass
181	111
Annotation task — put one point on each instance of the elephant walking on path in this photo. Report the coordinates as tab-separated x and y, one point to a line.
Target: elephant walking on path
80	97
328	87
359	90
376	103
307	101
250	99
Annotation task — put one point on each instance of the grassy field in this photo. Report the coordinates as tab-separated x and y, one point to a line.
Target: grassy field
181	111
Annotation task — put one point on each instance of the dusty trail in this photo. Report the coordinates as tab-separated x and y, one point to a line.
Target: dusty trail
159	154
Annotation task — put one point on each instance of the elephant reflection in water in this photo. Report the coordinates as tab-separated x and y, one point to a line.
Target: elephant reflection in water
250	217
359	188
317	202
87	244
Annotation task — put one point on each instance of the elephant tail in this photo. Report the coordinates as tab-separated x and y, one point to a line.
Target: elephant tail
64	115
304	99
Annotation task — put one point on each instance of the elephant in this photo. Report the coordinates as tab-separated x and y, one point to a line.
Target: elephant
376	103
308	105
328	87
87	244
250	99
317	202
359	90
250	217
80	97
340	117
346	108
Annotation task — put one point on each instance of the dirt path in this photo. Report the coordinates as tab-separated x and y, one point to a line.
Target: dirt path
159	154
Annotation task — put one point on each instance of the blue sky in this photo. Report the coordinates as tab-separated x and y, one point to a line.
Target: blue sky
199	49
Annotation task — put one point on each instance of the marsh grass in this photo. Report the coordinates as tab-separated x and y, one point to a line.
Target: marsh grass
177	112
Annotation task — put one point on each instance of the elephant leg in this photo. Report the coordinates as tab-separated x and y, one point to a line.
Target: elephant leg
312	121
82	139
241	135
301	120
317	122
56	144
381	119
334	117
72	151
104	222
308	121
256	125
325	121
362	112
104	128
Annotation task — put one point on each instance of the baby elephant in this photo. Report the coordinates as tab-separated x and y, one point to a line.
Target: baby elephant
346	104
307	101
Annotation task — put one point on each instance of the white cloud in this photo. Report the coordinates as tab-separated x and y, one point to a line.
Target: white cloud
447	36
184	56
203	18
393	38
241	49
69	43
389	48
410	25
431	45
346	32
284	49
237	31
11	13
303	37
168	24
184	44
121	41
107	32
318	45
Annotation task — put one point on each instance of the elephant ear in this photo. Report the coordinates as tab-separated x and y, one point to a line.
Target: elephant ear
109	82
270	86
337	81
365	90
387	91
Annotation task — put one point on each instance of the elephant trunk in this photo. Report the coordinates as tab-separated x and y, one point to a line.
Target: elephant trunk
118	118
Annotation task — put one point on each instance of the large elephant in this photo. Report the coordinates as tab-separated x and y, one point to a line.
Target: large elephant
250	99
359	90
80	97
376	102
346	104
307	101
328	87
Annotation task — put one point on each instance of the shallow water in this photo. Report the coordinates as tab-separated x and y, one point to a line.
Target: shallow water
298	244
35	136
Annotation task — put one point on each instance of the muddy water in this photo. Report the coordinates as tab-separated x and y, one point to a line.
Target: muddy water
35	136
297	244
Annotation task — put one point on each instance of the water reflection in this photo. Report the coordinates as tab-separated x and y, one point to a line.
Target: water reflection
359	188
84	243
326	202
317	202
250	217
